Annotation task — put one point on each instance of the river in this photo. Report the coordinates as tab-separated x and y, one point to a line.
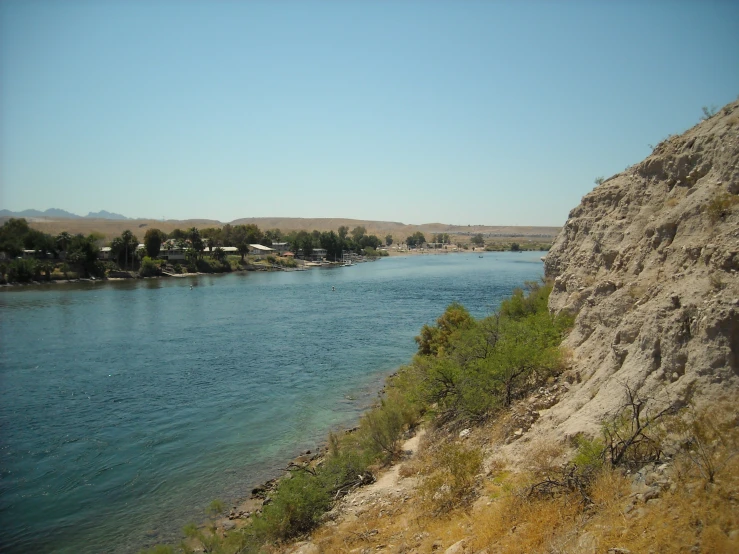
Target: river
126	407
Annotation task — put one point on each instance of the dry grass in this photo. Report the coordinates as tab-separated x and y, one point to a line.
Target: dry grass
546	457
691	514
507	521
690	517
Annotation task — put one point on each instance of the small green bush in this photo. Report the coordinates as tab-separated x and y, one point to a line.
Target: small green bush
381	429
149	267
21	271
295	508
590	455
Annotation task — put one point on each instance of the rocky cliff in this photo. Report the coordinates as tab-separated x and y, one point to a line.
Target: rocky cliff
648	261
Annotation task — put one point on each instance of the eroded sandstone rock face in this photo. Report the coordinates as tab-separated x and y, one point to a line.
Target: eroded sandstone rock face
649	261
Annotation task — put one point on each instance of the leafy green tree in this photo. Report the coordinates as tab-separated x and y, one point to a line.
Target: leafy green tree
227	235
388	239
433	340
369	241
63	240
332	243
515	247
153	242
274	235
358	232
212	237
178	234
477	240
417	239
12	235
253	234
304	242
21	271
191	255
219	254
196	241
16	236
343	232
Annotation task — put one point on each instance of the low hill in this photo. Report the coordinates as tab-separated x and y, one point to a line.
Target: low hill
113	227
398	230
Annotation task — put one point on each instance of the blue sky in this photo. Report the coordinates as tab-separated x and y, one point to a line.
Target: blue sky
464	112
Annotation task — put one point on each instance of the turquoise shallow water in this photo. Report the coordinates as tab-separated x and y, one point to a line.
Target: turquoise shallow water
127	407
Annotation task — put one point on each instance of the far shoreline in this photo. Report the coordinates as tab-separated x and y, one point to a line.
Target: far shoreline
335	265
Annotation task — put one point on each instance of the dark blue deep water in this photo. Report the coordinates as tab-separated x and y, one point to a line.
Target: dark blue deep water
127	407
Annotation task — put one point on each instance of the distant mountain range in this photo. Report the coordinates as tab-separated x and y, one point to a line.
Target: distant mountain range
57	213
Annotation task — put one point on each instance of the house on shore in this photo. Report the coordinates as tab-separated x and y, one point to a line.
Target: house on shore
228	250
260	250
172	253
317	255
281	248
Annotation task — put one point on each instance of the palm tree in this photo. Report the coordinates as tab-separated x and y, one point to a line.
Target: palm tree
243	250
196	240
219	254
63	241
129	242
124	244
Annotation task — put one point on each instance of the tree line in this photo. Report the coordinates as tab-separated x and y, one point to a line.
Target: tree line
80	253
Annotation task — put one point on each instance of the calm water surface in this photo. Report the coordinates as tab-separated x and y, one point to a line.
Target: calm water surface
127	407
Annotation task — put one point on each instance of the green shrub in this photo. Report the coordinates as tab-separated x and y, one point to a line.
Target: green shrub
21	271
287	262
381	429
149	267
434	339
215	508
296	508
590	455
469	368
